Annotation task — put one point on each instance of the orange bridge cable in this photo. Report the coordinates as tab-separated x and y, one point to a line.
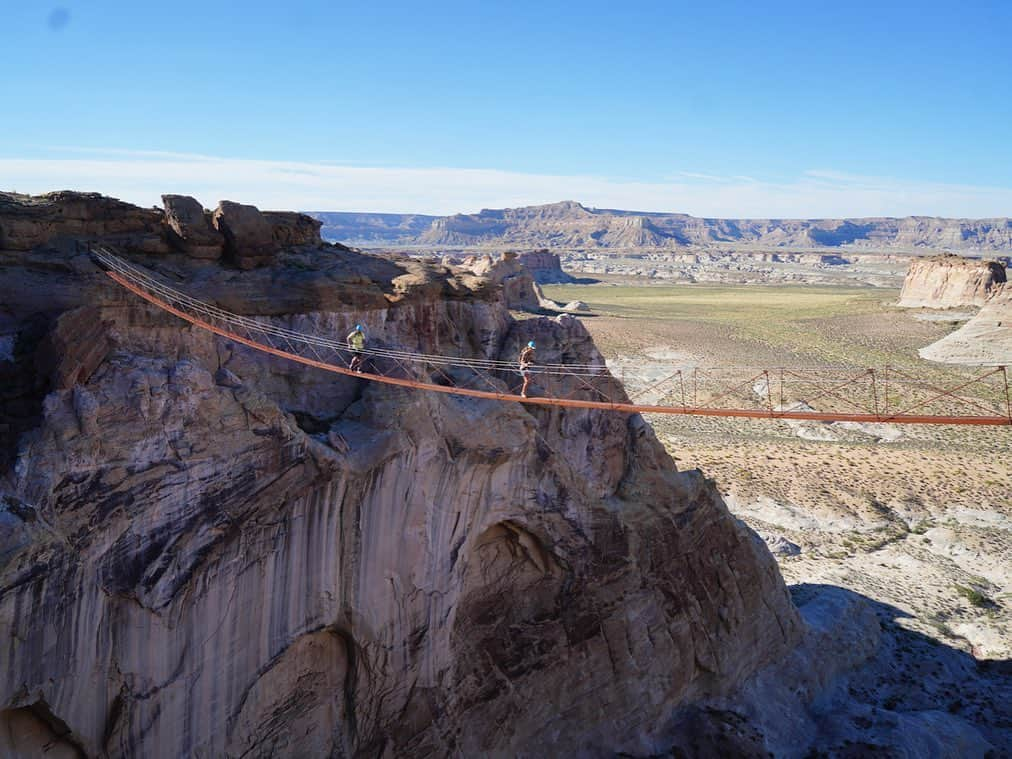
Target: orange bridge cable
564	402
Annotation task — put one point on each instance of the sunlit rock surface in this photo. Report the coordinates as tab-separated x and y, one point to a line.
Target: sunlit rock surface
950	282
984	339
218	553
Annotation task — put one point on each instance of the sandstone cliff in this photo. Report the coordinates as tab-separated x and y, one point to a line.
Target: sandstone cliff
210	552
571	225
545	267
248	236
950	282
520	290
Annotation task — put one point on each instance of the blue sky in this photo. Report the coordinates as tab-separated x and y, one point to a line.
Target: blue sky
717	108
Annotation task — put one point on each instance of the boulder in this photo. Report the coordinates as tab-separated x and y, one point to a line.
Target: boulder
249	237
292	229
950	282
191	228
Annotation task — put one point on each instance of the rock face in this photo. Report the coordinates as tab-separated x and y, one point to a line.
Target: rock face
292	229
571	225
545	267
27	222
249	236
274	561
192	228
519	288
950	282
984	339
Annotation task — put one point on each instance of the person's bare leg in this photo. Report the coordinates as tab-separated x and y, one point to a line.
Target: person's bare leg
523	390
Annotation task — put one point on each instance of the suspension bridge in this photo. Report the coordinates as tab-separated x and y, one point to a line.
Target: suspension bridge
822	394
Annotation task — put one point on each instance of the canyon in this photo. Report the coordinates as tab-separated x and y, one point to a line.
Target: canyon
210	551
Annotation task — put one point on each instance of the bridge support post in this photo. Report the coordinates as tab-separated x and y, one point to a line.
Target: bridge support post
874	393
1008	398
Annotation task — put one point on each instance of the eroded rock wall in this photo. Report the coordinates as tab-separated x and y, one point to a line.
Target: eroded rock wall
62	219
218	553
545	267
950	282
27	222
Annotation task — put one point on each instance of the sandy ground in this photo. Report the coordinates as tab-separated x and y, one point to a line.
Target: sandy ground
917	518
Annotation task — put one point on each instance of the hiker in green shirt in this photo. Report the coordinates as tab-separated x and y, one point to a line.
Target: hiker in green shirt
356	339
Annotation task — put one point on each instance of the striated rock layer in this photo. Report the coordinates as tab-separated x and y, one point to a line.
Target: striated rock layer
569	224
251	238
210	552
950	282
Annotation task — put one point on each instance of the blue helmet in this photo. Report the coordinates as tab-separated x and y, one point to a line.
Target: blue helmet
530	344
358	327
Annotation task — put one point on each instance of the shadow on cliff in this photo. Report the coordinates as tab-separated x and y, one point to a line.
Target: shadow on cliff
860	683
888	616
894	688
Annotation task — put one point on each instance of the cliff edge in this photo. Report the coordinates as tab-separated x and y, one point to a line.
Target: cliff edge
950	282
209	551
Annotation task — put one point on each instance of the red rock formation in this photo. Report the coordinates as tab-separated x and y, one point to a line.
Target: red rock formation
950	282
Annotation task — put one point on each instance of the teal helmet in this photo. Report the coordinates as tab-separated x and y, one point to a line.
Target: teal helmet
358	327
530	344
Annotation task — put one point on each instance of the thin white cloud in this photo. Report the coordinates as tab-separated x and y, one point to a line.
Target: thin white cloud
142	176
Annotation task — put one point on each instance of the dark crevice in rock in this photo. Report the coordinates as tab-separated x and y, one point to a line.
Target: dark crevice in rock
35	730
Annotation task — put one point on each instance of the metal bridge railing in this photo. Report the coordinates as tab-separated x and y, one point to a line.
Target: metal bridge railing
888	394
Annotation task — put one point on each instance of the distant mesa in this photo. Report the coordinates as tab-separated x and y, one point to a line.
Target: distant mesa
569	224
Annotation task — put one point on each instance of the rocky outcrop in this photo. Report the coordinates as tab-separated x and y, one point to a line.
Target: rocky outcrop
519	288
291	229
191	228
950	282
545	267
571	225
249	236
215	553
984	339
27	221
